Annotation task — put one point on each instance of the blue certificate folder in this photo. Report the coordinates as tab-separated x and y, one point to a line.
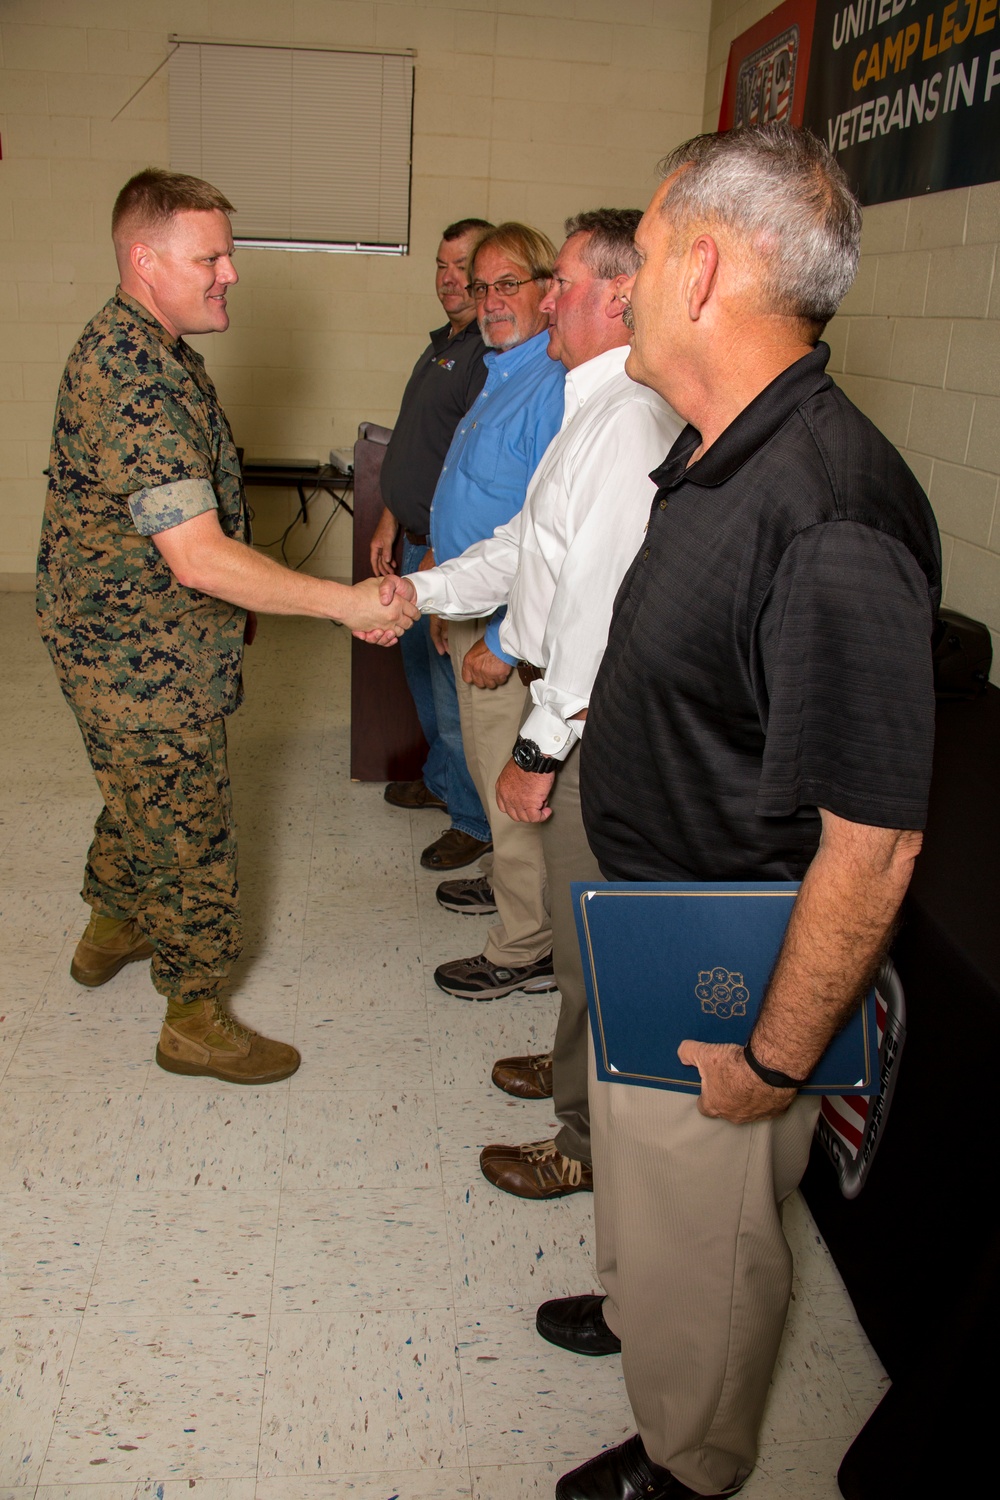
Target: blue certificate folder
667	961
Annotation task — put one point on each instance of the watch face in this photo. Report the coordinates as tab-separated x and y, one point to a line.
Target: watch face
529	757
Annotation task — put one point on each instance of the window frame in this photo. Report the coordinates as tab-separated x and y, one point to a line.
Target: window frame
188	155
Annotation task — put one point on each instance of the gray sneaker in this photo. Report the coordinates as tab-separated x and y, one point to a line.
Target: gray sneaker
470	897
478	979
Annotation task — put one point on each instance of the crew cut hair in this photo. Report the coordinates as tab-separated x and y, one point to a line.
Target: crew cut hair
464	226
152	197
610	249
520	243
778	188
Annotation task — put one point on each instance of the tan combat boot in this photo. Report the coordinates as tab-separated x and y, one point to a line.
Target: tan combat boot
107	946
205	1042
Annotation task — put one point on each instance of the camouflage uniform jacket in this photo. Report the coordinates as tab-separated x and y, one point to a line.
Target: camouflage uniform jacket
140	444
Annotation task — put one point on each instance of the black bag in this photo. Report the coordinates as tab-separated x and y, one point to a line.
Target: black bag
963	654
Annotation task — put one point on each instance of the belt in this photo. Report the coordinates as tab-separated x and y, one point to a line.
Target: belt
414	538
527	673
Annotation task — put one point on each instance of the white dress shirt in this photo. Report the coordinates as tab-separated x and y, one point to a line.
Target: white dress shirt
558	563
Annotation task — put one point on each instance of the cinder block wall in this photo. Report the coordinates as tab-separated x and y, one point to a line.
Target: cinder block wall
917	346
530	109
526	108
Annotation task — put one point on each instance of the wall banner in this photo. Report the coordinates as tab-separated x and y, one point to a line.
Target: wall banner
906	93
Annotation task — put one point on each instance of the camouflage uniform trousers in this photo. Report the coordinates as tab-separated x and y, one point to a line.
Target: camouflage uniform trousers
164	850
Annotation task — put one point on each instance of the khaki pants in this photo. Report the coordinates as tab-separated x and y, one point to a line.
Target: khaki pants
491	719
568	857
698	1273
164	850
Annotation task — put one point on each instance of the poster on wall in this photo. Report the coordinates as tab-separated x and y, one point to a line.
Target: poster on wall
906	93
769	68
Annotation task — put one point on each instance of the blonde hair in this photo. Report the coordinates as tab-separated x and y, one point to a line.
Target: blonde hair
520	243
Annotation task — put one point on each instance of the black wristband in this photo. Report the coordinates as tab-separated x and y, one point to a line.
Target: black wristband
771	1076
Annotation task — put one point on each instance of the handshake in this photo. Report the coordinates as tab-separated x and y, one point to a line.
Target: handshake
396	600
480	668
381	609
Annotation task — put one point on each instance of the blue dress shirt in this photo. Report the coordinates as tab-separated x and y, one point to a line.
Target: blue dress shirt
497	447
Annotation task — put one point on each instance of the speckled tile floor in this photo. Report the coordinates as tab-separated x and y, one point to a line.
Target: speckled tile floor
305	1292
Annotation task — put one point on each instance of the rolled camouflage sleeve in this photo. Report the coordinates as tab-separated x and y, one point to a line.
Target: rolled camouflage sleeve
167	505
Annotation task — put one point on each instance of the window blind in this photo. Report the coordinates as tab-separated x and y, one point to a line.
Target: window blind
312	146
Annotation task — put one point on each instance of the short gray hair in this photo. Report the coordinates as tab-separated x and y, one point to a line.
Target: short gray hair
610	250
780	190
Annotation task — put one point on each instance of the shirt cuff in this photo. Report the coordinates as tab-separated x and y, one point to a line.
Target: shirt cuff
553	736
492	638
424	589
168	505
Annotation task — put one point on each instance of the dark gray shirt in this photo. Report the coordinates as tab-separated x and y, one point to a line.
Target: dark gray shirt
446	380
769	652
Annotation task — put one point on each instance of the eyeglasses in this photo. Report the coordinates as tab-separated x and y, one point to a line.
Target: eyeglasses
505	287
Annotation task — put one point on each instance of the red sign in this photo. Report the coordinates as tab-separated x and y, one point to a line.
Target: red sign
769	68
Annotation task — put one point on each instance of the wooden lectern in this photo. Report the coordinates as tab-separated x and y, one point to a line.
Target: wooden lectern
387	743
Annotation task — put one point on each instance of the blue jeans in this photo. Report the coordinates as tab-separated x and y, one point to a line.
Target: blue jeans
432	685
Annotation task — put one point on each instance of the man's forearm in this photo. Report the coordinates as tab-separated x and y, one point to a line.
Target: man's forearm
201	557
838	934
232	571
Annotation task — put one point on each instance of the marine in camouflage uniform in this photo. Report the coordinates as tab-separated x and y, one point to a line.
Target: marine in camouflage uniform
144	539
151	669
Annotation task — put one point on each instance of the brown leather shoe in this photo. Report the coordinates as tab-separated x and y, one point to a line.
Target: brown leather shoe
412	795
453	850
525	1077
208	1043
535	1170
107	945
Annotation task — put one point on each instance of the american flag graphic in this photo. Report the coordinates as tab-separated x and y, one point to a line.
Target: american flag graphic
766	82
850	1125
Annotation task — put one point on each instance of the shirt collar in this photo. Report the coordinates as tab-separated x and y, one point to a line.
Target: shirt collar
442	337
506	361
142	315
586	380
747	433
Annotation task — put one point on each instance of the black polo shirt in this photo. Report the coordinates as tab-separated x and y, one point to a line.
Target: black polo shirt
769	652
446	380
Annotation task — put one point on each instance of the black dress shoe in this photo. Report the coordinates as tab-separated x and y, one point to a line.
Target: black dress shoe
577	1324
624	1473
